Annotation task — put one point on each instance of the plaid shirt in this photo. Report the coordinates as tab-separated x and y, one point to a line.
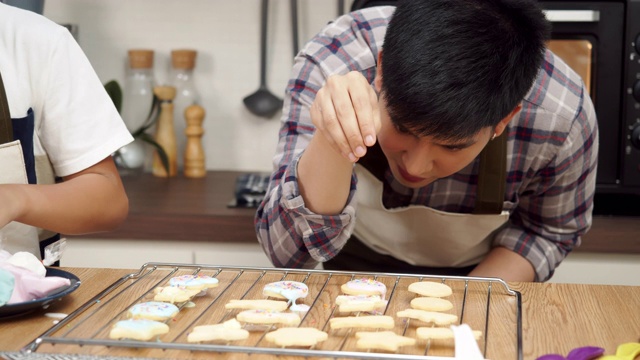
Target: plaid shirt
552	156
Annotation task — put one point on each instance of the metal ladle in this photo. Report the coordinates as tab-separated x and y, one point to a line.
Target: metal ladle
263	102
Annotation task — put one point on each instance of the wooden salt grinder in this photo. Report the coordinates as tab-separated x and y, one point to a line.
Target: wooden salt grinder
194	165
165	133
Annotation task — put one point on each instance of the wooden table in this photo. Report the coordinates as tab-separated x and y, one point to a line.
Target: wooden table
556	317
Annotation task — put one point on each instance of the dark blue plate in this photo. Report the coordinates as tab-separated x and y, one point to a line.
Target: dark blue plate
22	308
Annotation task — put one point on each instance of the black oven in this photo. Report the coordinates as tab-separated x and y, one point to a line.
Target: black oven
601	41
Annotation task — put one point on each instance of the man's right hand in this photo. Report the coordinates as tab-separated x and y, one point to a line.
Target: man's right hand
345	111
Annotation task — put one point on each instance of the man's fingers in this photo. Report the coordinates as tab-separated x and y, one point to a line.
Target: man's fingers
327	121
365	103
342	90
345	110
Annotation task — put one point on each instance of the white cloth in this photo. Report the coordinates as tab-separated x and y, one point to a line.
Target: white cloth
16	236
43	68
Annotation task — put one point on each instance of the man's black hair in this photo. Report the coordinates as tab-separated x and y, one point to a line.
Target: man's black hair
453	67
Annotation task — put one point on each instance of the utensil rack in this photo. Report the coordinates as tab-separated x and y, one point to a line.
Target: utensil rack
486	304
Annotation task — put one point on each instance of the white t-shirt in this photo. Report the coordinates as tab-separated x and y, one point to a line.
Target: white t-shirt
44	69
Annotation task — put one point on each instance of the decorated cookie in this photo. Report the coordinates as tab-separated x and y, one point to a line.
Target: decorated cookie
268	317
438	318
174	294
258	304
305	336
290	290
230	330
382	340
138	329
194	282
364	287
362	322
431	304
153	310
430	289
354	303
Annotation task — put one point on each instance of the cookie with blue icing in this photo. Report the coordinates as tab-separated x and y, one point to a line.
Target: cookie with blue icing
153	310
174	294
194	282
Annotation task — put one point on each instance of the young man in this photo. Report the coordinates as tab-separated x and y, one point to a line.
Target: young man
57	122
381	164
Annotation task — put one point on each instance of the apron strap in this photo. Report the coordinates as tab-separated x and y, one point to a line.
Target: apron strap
6	130
492	177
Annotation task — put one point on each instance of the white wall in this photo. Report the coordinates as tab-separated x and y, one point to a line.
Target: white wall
226	35
605	269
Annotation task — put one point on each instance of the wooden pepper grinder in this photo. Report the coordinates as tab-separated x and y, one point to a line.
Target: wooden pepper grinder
194	165
165	134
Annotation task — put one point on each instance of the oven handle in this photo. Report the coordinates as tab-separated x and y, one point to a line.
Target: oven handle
572	15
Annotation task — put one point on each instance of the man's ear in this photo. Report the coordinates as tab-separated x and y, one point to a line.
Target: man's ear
504	122
377	82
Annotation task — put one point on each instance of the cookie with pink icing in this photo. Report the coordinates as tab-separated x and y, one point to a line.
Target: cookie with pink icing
290	290
364	287
194	282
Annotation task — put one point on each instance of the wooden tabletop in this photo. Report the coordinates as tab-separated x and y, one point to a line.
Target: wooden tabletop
556	317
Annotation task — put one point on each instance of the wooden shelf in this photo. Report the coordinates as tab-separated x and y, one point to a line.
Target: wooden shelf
180	208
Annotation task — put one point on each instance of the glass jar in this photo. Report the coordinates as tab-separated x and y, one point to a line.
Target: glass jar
137	101
182	64
138	89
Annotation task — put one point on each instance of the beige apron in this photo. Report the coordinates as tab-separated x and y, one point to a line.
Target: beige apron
14	236
421	236
426	239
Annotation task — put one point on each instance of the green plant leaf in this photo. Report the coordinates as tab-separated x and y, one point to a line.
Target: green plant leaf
163	154
115	93
152	117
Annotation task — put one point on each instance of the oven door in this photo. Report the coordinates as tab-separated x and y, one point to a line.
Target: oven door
588	36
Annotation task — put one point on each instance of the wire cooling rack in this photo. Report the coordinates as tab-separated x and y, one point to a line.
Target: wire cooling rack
485	304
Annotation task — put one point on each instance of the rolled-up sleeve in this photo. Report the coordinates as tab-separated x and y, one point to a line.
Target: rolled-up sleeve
555	208
290	234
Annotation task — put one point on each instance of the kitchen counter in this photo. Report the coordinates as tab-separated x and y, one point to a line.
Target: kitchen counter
556	317
180	208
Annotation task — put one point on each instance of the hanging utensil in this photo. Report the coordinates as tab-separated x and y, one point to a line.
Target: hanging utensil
263	102
294	25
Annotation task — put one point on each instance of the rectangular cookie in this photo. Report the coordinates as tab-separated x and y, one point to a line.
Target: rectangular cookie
268	317
363	322
258	304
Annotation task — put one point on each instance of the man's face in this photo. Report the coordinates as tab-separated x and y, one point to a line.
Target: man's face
418	161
